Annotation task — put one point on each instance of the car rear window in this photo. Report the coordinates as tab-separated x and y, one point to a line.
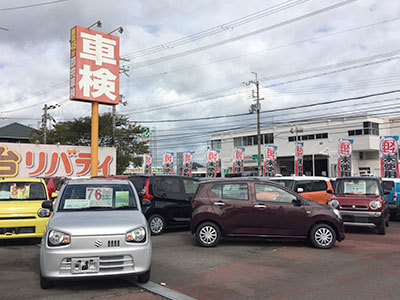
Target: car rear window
286	183
138	182
388	185
14	191
319	185
190	186
97	197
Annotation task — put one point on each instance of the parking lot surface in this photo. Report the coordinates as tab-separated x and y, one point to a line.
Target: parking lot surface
364	266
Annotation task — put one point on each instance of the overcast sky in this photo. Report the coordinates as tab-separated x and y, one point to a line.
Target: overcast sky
301	53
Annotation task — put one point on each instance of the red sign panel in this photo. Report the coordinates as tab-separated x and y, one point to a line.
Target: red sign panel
94	66
389	157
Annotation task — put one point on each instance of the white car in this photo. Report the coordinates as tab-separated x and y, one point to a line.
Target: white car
97	229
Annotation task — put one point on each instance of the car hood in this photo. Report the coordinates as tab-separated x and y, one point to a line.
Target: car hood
19	208
356	199
97	222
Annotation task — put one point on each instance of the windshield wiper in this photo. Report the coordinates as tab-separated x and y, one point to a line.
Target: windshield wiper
125	207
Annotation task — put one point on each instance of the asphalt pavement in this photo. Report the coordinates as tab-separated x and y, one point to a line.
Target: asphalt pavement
363	266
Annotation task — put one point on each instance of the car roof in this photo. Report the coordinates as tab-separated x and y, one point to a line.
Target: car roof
21	180
391	179
85	181
298	178
232	179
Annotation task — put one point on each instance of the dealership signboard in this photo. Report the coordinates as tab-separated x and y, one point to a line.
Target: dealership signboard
187	164
238	158
298	159
270	162
212	159
35	160
168	163
94	66
147	160
345	150
389	156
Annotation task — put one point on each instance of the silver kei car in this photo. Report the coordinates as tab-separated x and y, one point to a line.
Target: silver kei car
97	229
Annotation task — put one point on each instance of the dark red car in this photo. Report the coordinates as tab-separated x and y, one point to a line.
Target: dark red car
258	207
361	202
53	184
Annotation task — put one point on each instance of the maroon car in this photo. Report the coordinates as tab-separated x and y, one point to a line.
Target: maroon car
258	207
361	202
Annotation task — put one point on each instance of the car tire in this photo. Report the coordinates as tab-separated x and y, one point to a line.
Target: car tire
382	227
46	283
145	277
156	224
387	222
208	234
322	236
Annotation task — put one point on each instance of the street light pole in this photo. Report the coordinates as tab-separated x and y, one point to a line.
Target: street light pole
313	161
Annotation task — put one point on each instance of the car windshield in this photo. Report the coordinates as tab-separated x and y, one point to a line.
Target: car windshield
358	187
97	197
22	191
284	182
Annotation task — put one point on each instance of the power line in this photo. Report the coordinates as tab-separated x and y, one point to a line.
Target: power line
217	29
32	5
268	49
244	114
239	37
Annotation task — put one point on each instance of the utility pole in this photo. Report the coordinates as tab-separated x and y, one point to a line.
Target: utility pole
113	124
256	108
44	124
46	117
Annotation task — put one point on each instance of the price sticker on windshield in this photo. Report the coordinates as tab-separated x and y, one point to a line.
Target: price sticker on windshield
99	196
19	192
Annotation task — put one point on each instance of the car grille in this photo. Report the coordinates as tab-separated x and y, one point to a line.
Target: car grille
355	219
349	206
108	264
113	244
17	230
16	218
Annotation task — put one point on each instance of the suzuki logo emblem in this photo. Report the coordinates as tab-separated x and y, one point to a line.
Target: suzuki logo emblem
98	243
354	206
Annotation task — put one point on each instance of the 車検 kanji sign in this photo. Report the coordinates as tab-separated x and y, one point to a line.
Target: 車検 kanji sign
94	66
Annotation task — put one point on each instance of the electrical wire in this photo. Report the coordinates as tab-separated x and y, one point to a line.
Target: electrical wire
32	5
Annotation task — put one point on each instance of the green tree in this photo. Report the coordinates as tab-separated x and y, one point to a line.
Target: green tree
78	132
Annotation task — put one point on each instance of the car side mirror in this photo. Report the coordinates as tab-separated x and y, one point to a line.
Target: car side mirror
329	191
141	193
54	195
47	204
146	203
300	190
297	202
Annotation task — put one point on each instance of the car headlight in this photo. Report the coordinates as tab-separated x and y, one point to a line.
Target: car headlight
337	213
375	205
43	212
334	203
136	236
58	238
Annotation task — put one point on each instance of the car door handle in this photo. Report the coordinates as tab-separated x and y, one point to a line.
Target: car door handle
219	203
260	206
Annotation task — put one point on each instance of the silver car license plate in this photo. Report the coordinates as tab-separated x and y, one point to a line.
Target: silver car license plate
85	265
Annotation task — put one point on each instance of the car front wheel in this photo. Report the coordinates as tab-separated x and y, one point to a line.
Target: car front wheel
156	224
208	234
382	227
322	236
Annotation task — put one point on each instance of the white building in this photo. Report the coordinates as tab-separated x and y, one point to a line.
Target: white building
320	138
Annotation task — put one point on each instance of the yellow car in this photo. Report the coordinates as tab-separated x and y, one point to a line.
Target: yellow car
21	212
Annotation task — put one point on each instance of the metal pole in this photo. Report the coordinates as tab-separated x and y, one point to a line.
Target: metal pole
95	138
313	163
258	129
113	124
45	125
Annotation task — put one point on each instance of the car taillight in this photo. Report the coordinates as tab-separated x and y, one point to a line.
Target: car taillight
194	203
146	194
394	196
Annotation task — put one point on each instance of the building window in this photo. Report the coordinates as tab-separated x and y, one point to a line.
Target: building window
216	144
292	138
237	141
268	138
321	136
371	128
